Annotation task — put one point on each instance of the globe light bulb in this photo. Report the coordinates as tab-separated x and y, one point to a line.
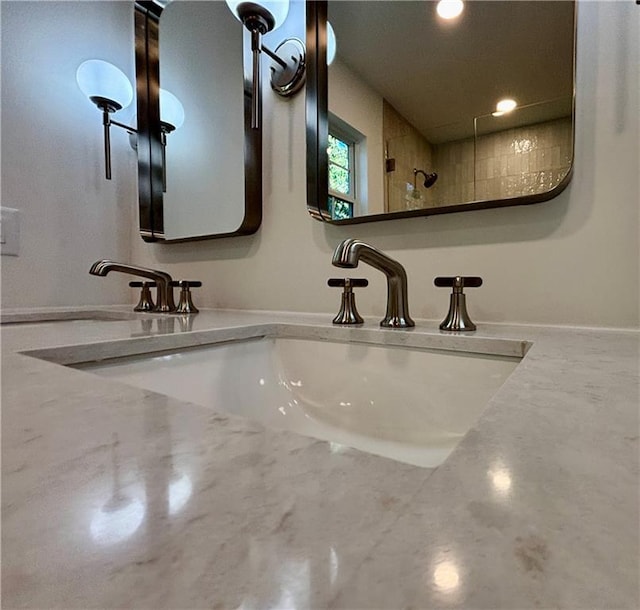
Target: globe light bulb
171	109
97	78
331	44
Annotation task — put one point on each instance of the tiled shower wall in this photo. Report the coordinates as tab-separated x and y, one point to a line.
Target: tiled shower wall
406	145
453	162
510	163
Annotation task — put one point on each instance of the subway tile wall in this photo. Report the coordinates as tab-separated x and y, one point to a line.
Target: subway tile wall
510	163
408	148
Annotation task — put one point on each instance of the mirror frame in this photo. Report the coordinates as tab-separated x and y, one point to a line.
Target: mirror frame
317	121
150	195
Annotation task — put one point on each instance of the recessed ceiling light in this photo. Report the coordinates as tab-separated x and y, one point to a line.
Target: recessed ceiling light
450	9
506	105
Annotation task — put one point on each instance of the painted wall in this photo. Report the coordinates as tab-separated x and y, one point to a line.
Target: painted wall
358	105
573	260
52	160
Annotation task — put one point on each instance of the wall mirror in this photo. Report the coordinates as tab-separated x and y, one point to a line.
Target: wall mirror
199	162
402	116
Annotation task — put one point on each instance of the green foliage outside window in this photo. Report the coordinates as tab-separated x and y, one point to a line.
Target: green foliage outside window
340	209
339	166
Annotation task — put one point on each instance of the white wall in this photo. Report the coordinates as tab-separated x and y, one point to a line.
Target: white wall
358	105
573	260
52	160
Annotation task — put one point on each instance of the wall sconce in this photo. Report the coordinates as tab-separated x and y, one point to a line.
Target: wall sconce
288	75
171	118
110	90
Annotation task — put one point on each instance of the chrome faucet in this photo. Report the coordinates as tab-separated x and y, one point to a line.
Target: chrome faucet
351	251
163	280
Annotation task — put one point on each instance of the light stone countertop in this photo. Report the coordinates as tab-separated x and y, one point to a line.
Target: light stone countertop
538	507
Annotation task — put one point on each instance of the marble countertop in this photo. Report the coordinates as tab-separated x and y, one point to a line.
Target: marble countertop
117	497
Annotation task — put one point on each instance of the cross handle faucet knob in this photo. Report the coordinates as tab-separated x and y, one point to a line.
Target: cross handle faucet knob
348	313
457	318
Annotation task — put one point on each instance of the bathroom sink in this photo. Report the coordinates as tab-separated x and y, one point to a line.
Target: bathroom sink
413	405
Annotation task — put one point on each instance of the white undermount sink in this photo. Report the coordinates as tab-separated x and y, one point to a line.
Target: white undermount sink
412	405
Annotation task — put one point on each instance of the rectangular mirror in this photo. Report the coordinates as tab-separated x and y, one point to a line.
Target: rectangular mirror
199	162
403	121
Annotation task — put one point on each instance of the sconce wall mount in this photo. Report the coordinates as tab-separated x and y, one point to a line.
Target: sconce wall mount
288	73
288	79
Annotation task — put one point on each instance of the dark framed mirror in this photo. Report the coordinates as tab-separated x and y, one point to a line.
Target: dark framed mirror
199	161
404	122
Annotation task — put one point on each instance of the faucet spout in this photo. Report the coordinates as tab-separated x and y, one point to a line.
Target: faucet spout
351	251
163	280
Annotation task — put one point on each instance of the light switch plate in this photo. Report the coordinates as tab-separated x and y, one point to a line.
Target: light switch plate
10	231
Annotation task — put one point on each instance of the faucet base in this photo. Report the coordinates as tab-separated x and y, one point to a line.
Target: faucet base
397	322
457	318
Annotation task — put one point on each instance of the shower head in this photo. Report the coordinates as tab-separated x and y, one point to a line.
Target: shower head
429	179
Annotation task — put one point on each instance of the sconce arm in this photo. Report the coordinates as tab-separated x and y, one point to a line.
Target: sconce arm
273	56
108	107
127	127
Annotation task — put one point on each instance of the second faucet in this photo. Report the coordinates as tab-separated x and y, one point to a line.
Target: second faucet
163	280
351	251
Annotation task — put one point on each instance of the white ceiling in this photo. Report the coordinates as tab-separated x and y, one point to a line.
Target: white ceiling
440	75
